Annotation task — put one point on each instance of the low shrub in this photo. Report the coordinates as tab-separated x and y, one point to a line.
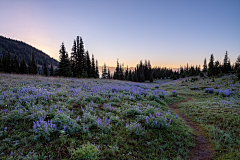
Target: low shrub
86	151
135	128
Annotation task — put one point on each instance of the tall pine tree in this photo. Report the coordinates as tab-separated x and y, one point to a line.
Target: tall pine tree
211	66
104	71
64	64
93	71
205	66
97	71
88	62
74	58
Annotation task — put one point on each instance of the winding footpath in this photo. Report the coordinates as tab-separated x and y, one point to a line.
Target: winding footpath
203	149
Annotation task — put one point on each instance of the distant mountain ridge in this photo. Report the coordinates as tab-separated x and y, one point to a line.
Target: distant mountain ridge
21	49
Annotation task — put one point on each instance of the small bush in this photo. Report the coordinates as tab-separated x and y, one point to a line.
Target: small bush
86	151
135	128
157	122
115	99
132	112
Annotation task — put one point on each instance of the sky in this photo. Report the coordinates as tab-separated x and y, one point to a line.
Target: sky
167	32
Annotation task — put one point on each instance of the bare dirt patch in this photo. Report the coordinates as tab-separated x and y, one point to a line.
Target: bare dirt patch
203	149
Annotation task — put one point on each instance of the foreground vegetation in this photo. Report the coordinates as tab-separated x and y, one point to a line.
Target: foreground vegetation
216	107
68	118
50	118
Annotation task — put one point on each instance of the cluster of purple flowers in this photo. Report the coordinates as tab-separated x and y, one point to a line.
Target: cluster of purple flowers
209	90
225	93
174	93
43	124
104	122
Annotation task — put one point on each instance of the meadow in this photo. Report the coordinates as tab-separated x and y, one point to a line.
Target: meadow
68	118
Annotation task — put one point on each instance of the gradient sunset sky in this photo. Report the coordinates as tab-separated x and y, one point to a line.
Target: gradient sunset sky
166	32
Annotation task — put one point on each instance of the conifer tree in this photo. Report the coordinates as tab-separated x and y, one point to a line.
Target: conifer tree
104	71
237	64
109	74
225	63
45	70
29	68
237	67
130	76
88	64
64	64
33	65
74	58
97	72
151	78
126	74
23	66
80	57
211	66
205	66
121	76
149	70
117	71
93	74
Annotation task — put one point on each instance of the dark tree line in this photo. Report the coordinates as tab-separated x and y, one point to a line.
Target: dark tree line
10	64
216	68
21	49
78	64
143	72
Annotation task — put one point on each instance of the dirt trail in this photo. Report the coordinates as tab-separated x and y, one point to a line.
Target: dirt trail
203	149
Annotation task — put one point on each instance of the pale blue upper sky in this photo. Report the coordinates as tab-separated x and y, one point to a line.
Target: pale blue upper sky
166	32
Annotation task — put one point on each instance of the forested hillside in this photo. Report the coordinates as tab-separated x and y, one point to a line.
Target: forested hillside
21	49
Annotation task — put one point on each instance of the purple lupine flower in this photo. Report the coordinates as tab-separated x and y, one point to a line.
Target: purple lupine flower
74	126
11	153
77	118
156	122
64	128
38	124
5	128
70	123
170	121
46	129
165	118
34	126
146	119
176	115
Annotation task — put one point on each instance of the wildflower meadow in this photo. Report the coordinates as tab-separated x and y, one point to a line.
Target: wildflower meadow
68	118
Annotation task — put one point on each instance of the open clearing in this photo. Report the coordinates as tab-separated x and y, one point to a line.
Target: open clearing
67	118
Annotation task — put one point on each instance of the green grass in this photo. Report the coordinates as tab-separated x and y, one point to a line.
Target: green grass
219	116
27	98
126	104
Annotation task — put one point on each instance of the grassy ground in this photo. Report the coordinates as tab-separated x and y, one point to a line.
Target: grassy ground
217	113
67	118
